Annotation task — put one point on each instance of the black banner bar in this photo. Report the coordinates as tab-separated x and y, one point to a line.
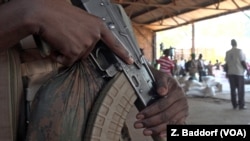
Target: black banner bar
211	132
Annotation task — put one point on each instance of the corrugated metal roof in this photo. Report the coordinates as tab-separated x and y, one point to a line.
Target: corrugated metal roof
160	15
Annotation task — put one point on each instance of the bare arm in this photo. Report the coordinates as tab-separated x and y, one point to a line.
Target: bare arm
69	30
13	26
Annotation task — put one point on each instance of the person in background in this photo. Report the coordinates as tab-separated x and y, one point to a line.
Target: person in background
193	67
201	67
248	70
176	69
217	65
182	65
235	68
210	67
166	64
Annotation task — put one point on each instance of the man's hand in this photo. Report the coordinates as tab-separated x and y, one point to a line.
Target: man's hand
70	31
172	108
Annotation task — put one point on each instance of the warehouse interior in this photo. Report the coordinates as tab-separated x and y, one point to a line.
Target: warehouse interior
151	16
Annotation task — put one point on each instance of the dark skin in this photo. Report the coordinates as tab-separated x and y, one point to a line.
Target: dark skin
172	108
73	38
70	43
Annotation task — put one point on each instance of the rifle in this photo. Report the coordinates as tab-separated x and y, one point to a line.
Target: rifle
129	84
138	75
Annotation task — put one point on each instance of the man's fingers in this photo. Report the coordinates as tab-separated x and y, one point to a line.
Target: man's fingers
180	116
164	83
175	112
162	86
160	130
163	103
157	130
115	45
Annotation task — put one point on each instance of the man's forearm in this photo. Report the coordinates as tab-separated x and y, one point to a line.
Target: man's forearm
13	27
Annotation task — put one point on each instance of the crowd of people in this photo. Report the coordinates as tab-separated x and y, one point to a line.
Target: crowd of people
195	67
235	68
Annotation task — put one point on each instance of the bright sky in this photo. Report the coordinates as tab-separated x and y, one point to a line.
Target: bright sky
213	33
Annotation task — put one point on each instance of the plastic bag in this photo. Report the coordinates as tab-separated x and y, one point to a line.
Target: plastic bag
61	106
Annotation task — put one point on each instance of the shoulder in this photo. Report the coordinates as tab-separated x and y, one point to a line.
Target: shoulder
240	51
229	51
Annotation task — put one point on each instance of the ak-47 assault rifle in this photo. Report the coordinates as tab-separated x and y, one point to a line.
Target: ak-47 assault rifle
130	84
138	74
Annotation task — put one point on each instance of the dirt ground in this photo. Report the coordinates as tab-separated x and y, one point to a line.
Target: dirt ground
216	111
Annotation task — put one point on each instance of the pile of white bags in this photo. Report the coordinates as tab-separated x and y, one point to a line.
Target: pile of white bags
207	88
